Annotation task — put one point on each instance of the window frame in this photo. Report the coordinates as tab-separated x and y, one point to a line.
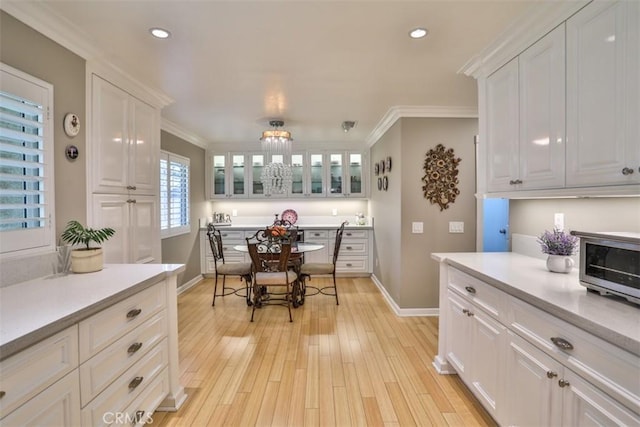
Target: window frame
23	242
165	211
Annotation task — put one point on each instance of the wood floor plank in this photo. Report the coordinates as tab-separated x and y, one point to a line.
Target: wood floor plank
351	364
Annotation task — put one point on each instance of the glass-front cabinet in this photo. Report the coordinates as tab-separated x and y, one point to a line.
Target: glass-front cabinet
345	174
314	174
228	176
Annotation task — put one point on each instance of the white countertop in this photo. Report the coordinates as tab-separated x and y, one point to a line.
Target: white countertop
528	279
31	311
232	226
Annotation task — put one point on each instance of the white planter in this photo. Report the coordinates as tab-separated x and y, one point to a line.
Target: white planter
559	264
86	261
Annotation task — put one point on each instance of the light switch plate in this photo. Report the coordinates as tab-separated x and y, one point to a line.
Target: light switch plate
558	221
334	212
417	227
456	227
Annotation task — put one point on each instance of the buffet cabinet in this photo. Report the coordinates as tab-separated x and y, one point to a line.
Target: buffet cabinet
112	364
528	367
314	174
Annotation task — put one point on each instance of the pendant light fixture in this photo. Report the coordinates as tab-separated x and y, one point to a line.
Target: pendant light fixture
276	177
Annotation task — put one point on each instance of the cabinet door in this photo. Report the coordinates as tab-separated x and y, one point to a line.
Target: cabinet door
488	341
458	332
219	176
585	405
355	175
335	174
603	94
532	396
144	148
542	113
111	210
257	163
237	176
299	183
58	405
316	176
144	230
502	128
110	134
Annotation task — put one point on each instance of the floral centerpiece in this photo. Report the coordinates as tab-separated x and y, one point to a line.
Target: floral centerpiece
559	246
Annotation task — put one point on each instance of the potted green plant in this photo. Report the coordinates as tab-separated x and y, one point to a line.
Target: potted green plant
87	259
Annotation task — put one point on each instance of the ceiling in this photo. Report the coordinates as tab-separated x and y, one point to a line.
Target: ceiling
230	66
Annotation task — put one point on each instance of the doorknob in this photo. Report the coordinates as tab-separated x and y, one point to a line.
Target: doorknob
502	231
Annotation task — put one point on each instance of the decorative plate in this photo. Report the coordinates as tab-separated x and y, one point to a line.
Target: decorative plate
289	215
388	164
377	169
382	165
71	125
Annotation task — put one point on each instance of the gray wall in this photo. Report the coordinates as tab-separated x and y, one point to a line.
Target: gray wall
403	262
185	248
65	70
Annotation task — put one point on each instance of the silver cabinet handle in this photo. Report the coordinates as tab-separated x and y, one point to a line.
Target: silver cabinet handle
131	187
135	382
134	347
563	383
551	374
627	171
349	248
562	343
470	289
467	312
134	313
349	265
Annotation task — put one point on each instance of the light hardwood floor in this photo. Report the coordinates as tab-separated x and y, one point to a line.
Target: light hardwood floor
354	364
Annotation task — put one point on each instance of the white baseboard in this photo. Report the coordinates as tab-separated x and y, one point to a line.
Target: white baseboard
191	283
403	312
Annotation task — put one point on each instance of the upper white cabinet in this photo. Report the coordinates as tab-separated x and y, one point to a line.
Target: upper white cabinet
525	118
125	141
345	174
228	176
308	174
603	94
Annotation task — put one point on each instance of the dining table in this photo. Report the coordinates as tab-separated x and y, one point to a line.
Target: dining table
297	252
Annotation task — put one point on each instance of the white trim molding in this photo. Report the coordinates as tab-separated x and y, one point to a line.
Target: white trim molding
190	284
537	21
180	132
424	111
403	312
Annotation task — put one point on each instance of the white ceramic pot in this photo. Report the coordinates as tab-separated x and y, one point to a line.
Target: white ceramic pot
86	261
559	264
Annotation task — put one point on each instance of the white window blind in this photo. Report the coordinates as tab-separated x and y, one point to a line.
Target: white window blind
26	163
174	194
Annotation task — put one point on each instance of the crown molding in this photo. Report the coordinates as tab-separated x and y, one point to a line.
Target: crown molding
427	111
40	17
537	21
182	133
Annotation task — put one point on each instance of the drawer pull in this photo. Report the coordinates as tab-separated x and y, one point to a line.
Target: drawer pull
349	264
349	248
316	234
551	374
135	382
562	343
134	347
134	313
467	312
627	171
470	289
349	234
563	383
2	394
131	187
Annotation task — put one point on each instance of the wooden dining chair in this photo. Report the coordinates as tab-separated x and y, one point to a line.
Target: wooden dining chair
243	269
316	269
273	277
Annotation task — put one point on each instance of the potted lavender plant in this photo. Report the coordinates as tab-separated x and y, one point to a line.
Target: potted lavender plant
559	246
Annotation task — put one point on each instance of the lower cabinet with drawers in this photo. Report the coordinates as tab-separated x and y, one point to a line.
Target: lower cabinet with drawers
528	367
112	367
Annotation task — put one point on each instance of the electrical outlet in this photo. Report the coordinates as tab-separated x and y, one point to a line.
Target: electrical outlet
417	227
558	221
456	227
334	212
234	212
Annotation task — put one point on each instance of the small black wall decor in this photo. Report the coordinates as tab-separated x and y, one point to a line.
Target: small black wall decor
441	176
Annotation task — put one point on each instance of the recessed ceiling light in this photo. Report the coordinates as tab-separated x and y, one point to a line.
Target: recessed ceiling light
159	33
418	33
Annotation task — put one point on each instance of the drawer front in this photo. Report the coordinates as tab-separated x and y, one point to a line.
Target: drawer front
142	408
355	234
58	405
27	373
310	235
350	248
351	265
103	328
231	235
110	363
489	298
124	390
603	364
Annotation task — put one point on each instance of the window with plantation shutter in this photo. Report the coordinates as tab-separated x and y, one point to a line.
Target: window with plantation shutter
174	194
26	163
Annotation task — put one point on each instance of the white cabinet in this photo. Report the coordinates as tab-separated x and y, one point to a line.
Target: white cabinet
125	141
230	238
525	119
309	179
135	219
603	94
318	237
355	254
345	174
228	176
